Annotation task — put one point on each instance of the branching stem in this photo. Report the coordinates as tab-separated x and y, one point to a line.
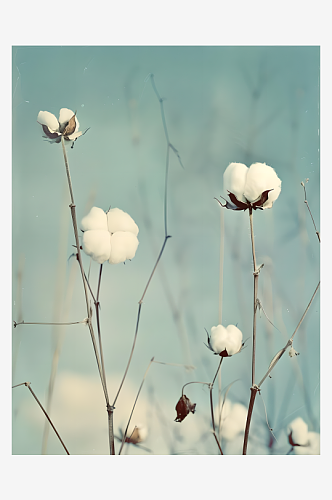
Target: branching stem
79	258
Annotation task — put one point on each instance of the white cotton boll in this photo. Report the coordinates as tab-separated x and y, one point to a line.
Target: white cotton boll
118	220
260	178
65	115
48	119
235	179
313	445
123	247
299	430
97	244
96	219
229	338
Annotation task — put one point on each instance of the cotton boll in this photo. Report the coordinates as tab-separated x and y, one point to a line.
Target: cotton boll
229	339
118	220
48	119
97	244
96	219
235	179
123	247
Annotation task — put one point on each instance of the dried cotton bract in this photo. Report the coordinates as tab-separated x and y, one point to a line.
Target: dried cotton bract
256	187
109	236
225	341
183	407
67	125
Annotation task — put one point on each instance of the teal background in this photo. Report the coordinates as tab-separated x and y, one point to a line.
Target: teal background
222	104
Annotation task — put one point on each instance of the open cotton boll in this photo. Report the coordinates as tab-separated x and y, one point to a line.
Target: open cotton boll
123	247
299	430
97	244
118	220
235	179
261	177
227	339
96	219
251	188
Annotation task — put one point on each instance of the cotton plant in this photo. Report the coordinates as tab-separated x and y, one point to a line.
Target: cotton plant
248	188
107	236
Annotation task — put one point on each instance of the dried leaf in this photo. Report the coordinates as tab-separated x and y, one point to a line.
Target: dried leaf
70	127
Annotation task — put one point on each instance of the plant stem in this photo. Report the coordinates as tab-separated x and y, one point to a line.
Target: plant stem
98	326
132	411
188	383
289	342
27	384
221	264
253	389
79	257
211	406
253	393
57	324
306	202
255	296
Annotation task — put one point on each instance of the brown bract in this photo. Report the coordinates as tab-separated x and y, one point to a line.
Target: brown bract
183	407
240	205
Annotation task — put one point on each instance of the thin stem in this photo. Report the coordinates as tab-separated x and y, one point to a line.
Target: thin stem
211	405
290	341
79	257
255	295
253	388
217	441
27	384
110	409
99	281
67	171
87	282
98	326
306	202
221	358
188	383
57	324
132	411
131	354
221	264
